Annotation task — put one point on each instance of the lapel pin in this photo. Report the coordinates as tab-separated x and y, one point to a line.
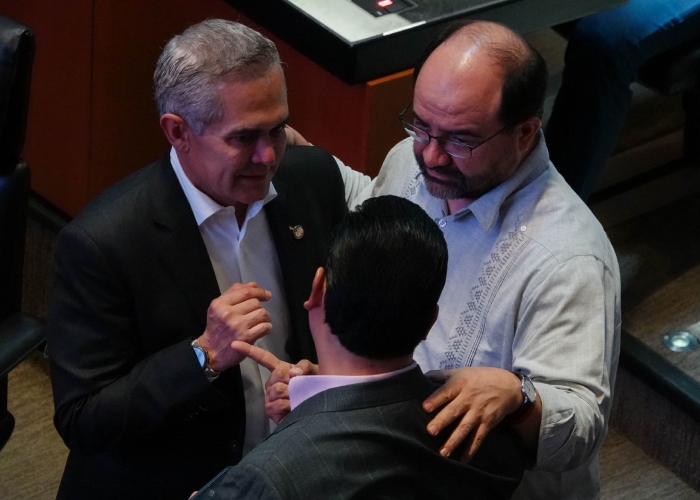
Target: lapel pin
297	231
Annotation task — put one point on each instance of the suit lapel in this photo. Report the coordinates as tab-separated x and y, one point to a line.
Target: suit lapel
297	262
189	265
179	243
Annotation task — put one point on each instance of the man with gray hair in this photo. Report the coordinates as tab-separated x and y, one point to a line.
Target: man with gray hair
216	242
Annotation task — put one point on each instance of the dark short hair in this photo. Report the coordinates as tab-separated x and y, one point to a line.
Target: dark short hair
385	270
525	81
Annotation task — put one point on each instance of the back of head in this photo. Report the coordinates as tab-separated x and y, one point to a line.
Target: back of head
195	61
525	70
385	270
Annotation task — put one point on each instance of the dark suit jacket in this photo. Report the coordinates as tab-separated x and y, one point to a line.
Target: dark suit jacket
369	441
133	284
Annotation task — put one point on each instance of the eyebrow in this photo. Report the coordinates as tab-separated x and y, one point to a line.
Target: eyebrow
255	130
466	132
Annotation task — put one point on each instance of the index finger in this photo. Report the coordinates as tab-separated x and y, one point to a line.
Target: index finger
238	286
239	294
257	354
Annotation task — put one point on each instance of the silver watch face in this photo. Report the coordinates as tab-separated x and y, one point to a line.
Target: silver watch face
528	389
201	355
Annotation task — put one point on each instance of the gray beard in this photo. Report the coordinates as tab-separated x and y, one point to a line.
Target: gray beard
456	186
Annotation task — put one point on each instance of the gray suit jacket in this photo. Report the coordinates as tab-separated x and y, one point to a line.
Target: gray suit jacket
369	441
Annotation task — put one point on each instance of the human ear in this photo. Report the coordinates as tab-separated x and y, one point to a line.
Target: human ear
176	131
528	131
318	290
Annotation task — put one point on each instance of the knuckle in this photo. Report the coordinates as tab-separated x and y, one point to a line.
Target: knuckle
273	381
453	412
463	429
282	370
214	312
492	417
277	389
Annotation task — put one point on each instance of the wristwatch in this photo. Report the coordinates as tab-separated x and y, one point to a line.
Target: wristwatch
527	388
203	357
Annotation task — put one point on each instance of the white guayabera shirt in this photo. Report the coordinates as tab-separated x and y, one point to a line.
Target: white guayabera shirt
533	286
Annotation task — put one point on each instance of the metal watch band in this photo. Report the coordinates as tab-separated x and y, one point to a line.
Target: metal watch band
208	372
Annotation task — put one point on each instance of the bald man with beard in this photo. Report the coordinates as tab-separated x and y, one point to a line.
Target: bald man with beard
529	325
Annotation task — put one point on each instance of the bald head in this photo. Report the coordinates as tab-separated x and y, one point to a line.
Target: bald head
493	53
503	45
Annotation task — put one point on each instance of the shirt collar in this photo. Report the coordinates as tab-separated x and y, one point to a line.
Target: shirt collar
486	208
303	387
202	205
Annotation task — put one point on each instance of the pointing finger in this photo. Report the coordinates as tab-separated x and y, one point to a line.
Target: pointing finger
260	356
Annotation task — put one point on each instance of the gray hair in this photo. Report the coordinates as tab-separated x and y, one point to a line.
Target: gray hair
194	63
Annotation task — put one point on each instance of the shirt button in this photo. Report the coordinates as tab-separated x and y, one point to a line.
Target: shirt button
442	223
523	228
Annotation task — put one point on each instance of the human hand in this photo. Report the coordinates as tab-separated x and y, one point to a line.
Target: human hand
294	138
479	397
277	404
236	315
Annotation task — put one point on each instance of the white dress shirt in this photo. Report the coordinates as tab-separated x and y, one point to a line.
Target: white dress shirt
241	255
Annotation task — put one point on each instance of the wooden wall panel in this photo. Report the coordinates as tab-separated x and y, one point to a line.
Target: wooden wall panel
92	115
328	112
387	98
128	38
58	127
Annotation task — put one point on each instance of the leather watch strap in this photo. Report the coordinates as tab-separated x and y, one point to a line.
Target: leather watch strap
529	400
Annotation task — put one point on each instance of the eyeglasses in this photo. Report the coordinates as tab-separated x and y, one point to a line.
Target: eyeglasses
452	146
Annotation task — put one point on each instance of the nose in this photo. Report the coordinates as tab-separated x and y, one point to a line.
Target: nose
264	151
434	155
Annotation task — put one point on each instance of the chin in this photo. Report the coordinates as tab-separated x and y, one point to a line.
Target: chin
440	190
454	191
250	196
